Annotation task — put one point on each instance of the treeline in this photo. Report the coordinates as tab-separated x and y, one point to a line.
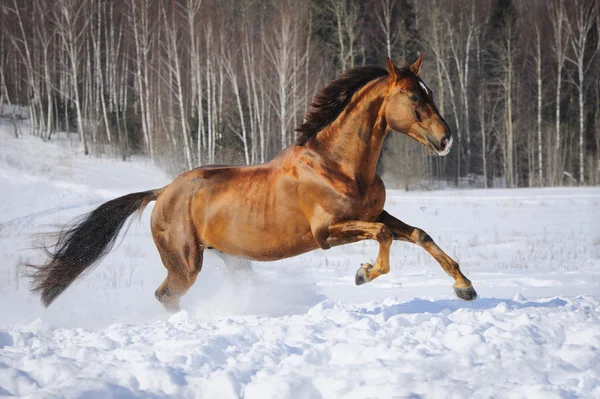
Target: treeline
193	82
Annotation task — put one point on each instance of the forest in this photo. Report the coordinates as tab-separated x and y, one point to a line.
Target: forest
196	82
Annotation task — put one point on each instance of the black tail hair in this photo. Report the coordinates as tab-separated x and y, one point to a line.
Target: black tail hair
83	243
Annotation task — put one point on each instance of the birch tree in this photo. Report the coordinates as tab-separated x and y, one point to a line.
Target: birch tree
347	28
24	46
227	59
559	46
539	94
584	16
461	41
171	26
384	15
193	8
139	20
503	52
45	36
72	22
99	70
280	53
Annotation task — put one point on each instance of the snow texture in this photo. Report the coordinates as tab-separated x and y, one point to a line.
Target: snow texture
299	328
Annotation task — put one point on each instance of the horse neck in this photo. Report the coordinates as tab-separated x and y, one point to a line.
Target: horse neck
355	138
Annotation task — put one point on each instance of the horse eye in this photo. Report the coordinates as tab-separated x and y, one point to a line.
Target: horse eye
414	98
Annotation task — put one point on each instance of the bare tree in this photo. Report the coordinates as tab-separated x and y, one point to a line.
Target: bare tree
230	69
96	40
45	36
538	76
23	44
433	38
139	19
559	45
584	18
171	27
280	49
4	94
193	8
504	52
459	38
210	90
346	15
72	22
482	102
384	15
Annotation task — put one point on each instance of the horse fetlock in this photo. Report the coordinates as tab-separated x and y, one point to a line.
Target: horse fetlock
161	293
169	301
384	270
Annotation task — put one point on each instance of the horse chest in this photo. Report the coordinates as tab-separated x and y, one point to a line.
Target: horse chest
371	208
367	204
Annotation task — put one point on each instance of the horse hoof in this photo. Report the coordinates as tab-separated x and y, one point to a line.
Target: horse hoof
361	274
468	294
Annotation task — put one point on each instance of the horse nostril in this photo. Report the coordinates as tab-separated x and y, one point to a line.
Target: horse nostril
444	143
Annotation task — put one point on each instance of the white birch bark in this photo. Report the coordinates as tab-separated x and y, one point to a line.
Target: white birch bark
193	8
45	40
24	49
584	18
232	75
96	42
559	46
461	61
71	31
338	7
172	33
139	21
538	74
383	14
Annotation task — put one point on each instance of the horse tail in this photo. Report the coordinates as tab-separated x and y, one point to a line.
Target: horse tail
82	243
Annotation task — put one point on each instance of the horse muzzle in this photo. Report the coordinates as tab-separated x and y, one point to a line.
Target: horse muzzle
445	145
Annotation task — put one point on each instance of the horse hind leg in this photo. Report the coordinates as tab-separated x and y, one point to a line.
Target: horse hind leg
183	267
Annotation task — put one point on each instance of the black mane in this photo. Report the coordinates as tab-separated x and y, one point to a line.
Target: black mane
329	103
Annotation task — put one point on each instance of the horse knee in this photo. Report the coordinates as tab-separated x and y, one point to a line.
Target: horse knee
384	234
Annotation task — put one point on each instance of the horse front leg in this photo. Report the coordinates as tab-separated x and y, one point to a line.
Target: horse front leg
349	231
403	232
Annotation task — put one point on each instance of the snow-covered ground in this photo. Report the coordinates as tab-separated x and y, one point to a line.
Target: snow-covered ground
300	328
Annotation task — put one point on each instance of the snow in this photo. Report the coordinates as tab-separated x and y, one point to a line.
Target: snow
300	328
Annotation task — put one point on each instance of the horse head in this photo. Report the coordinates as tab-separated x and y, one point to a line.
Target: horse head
411	110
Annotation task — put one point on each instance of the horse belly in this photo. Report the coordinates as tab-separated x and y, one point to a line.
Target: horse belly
268	245
253	230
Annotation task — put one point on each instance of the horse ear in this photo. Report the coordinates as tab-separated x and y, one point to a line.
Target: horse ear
416	67
391	68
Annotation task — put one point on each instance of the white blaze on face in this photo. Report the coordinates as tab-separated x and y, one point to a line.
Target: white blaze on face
425	88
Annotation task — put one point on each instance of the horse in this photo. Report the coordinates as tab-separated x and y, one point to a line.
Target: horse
320	192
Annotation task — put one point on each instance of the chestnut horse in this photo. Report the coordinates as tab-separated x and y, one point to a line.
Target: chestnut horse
321	192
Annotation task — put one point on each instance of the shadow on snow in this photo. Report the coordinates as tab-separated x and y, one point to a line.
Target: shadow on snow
424	306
